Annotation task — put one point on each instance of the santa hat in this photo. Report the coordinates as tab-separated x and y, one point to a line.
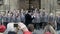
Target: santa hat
2	28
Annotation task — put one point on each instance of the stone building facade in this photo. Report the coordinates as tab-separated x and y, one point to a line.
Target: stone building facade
24	4
20	4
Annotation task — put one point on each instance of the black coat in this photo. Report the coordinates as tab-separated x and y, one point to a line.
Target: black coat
28	19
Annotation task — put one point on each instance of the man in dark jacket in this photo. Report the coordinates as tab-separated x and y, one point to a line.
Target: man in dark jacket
28	18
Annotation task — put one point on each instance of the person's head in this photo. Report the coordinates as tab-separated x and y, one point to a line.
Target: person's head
52	24
2	28
31	27
29	12
49	28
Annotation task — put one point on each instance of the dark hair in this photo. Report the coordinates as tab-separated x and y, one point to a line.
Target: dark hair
31	27
8	11
29	11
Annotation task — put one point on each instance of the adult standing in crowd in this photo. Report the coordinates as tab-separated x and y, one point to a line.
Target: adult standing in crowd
22	16
2	28
58	22
10	16
36	19
5	20
51	17
28	18
43	17
49	29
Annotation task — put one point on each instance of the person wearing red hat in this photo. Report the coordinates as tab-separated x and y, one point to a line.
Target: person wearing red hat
2	29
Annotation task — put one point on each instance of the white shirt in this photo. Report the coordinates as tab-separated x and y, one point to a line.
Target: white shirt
10	27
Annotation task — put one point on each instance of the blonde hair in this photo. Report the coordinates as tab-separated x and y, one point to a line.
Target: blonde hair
50	29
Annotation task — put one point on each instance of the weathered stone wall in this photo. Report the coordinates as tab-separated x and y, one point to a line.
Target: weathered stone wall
25	4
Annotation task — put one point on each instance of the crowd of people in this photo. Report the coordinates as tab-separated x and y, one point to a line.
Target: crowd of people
38	18
19	16
13	29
